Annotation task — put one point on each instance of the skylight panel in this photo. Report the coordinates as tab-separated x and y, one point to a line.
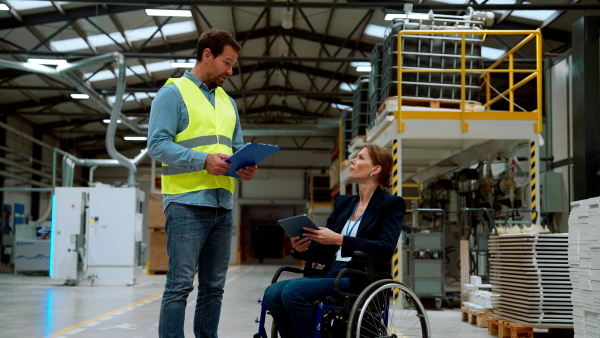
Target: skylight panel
139	69
360	64
131	97
453	2
540	16
139	34
24	5
491	53
500	2
103	40
179	28
347	87
536	15
341	106
69	44
375	30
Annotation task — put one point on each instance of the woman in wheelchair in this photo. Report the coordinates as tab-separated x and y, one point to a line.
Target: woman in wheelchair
370	222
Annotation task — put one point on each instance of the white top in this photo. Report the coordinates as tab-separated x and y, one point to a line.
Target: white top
354	227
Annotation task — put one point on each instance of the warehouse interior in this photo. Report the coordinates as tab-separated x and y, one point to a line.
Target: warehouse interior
490	108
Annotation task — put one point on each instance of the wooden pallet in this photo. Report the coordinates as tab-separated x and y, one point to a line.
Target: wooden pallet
476	317
509	329
429	103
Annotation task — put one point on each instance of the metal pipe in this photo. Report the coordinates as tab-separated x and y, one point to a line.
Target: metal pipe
47	212
113	110
25	156
91	180
24	168
27	189
23	179
28	67
152	175
67	171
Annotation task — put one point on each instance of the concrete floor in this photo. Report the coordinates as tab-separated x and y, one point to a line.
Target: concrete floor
36	306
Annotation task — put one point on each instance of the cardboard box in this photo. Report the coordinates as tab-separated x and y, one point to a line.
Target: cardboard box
156	215
158	259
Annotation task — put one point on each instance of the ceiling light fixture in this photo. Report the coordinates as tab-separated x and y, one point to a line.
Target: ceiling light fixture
80	96
169	12
182	64
135	138
108	121
4	7
363	69
52	62
287	21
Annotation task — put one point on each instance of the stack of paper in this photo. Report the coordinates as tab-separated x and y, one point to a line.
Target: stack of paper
529	274
584	259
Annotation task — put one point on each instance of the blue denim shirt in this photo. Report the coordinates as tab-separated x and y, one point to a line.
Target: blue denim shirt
168	117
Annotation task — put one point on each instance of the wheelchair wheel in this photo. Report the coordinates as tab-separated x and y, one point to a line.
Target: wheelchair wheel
387	309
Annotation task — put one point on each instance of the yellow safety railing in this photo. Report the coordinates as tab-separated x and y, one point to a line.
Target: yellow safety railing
462	114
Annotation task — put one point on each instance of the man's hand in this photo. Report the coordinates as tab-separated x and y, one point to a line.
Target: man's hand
215	164
246	173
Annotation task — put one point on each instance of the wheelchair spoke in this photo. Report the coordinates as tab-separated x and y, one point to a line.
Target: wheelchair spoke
387	309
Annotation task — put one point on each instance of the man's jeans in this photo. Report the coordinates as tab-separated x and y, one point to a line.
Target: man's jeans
197	237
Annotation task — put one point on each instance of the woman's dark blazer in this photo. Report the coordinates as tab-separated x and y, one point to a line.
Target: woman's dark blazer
378	231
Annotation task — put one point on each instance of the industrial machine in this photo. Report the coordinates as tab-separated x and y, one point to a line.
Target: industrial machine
94	237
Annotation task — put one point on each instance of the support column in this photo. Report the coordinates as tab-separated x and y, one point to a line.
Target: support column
585	34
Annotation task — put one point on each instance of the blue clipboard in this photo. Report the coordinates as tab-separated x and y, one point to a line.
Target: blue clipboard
293	225
249	154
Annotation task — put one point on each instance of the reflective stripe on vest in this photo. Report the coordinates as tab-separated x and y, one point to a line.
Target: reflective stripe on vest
205	132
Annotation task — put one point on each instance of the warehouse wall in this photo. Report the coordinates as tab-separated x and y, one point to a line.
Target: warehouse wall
20	154
560	132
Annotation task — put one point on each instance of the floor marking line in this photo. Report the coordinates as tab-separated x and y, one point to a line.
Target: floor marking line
110	313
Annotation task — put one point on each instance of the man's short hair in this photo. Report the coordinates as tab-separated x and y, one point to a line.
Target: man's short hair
216	40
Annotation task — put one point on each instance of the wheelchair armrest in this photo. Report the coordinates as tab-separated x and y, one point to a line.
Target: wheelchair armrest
282	269
342	273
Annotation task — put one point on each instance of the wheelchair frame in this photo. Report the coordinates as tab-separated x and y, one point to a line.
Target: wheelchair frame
377	282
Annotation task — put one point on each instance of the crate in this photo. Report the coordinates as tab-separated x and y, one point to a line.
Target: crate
158	261
476	317
504	328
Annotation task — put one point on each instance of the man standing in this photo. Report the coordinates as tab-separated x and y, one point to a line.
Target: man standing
194	126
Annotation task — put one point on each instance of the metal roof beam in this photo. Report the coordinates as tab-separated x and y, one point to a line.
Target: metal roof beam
69	14
359	5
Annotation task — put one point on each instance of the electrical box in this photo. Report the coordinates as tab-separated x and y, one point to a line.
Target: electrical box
95	231
551	192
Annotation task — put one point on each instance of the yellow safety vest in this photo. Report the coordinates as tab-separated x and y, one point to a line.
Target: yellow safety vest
209	131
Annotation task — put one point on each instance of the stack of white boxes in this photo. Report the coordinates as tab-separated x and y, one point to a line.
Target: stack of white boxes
584	260
480	300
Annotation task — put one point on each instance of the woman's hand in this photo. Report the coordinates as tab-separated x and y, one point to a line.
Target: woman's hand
300	244
324	236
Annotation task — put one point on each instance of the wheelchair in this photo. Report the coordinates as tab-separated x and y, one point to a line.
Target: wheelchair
386	308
